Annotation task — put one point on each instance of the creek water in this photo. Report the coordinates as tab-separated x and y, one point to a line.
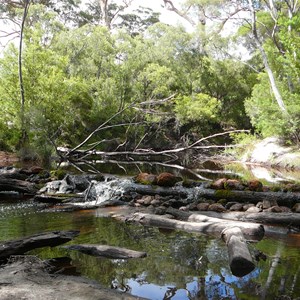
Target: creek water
178	265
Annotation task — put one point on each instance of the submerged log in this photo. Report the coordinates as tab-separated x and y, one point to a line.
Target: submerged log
240	259
15	185
255	231
107	251
47	239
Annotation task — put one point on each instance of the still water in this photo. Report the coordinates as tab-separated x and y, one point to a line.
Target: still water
178	265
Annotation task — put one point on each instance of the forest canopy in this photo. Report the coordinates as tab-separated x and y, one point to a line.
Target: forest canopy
73	67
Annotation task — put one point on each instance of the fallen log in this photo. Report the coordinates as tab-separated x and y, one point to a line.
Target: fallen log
16	185
47	239
240	259
256	232
107	251
249	229
292	219
201	191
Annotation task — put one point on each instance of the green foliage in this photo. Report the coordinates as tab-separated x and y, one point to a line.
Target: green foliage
198	107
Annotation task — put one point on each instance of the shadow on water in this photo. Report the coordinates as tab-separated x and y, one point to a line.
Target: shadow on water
178	265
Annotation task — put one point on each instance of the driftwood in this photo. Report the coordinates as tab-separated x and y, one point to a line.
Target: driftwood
213	227
251	230
240	259
107	251
47	239
292	219
15	185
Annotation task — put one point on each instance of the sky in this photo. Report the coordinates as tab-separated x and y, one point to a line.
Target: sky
166	16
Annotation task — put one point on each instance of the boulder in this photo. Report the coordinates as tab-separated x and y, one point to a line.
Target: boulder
145	178
167	179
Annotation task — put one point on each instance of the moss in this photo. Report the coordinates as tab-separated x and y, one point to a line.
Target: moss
222	201
223	194
58	174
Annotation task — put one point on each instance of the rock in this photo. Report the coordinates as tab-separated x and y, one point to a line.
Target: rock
285	209
155	202
247	206
269	203
145	178
259	205
233	184
216	207
229	204
253	209
203	206
147	200
167	179
211	165
237	207
274	209
219	184
255	185
296	208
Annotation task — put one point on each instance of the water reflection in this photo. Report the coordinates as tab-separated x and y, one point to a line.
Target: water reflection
178	266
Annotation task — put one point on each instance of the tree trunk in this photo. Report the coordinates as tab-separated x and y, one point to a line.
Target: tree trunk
48	239
240	259
254	231
22	93
268	69
292	219
16	185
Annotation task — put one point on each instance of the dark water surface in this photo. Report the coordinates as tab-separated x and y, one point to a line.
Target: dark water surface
178	265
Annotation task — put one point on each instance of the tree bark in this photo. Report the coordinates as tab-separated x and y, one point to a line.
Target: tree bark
15	185
47	239
292	219
268	69
286	199
254	232
107	251
22	93
249	229
240	259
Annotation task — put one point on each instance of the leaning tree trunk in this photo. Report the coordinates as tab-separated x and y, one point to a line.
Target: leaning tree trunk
269	71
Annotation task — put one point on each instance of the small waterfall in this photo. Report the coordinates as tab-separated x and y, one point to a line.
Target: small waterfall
102	191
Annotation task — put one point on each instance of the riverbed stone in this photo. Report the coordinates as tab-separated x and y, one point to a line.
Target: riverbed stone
254	209
146	178
269	203
155	202
247	206
203	206
255	185
296	208
274	209
233	184
285	209
219	184
237	207
167	179
217	207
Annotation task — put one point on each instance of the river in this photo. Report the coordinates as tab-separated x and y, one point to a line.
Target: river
178	265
